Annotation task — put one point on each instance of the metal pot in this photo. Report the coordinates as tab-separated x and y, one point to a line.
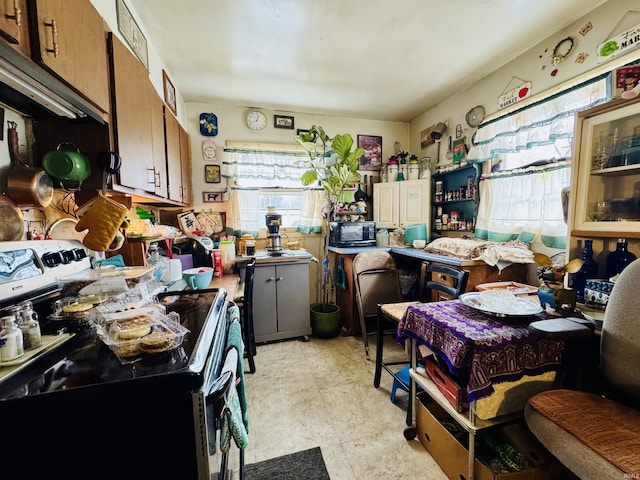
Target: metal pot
11	220
27	186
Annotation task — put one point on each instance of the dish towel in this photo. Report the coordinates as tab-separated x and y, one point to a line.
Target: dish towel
232	424
234	340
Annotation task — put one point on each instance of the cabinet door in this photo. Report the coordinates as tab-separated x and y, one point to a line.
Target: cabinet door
132	114
159	154
293	297
71	42
606	199
385	204
13	24
185	166
265	319
415	202
174	165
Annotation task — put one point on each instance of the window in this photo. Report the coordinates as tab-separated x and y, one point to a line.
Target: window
266	175
530	150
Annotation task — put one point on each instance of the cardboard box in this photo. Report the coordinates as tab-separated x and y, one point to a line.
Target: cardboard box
452	456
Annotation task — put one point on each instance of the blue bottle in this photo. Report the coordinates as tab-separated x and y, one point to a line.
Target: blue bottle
619	259
588	270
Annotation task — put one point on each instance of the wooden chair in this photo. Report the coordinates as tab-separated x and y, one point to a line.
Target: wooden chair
451	282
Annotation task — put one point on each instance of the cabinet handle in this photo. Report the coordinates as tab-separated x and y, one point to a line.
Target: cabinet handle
442	276
279	279
157	176
17	14
151	179
54	37
270	279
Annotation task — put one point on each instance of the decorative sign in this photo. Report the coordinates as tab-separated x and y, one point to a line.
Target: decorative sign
132	33
622	43
459	149
514	96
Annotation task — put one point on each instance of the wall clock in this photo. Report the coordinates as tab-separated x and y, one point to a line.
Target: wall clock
208	150
256	120
208	124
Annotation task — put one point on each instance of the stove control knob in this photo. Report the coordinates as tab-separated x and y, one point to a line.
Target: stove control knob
68	256
52	259
79	253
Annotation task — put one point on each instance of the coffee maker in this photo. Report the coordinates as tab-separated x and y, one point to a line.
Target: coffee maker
274	240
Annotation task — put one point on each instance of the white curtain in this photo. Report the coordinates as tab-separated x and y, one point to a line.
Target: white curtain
539	133
249	170
311	212
524	205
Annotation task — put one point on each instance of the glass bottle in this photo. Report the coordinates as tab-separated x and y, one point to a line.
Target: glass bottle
11	346
619	259
29	326
157	261
588	270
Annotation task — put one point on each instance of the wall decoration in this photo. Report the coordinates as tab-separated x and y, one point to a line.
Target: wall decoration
372	158
208	124
562	50
586	29
625	79
458	131
132	33
212	197
209	150
169	93
623	42
283	121
459	150
514	95
300	131
581	57
425	137
212	174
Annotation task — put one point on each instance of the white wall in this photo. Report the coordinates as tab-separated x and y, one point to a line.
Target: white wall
535	66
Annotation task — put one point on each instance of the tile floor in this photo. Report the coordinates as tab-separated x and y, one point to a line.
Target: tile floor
320	393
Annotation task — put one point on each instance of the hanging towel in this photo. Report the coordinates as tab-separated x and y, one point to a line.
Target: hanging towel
340	276
234	340
232	424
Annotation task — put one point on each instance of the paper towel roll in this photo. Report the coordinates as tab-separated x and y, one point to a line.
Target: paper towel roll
174	272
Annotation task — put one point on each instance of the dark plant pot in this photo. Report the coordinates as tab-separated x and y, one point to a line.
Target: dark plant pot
325	320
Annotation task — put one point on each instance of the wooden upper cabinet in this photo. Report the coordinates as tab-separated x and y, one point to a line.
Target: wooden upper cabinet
185	166
69	39
131	118
159	154
174	165
13	24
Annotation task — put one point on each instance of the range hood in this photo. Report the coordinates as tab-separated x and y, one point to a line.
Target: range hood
31	84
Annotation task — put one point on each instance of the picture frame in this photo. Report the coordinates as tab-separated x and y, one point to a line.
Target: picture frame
212	174
131	32
372	158
300	131
283	121
169	93
212	197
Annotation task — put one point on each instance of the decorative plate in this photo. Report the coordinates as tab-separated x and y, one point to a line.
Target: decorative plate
515	308
475	116
208	124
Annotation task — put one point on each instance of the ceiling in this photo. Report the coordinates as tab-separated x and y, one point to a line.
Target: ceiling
369	59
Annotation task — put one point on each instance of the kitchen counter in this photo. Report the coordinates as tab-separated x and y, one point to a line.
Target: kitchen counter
410	252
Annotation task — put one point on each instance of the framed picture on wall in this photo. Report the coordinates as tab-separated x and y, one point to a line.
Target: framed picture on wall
283	121
212	174
132	33
372	158
169	93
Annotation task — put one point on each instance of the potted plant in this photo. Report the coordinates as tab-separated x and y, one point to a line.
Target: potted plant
333	165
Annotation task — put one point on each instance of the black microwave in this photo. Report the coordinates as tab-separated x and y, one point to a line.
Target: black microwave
352	234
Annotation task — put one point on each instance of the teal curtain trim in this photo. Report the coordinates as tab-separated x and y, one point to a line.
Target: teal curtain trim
527	171
527	237
309	230
554	242
284	154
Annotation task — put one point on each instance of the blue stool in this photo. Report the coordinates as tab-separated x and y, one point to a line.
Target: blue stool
401	381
